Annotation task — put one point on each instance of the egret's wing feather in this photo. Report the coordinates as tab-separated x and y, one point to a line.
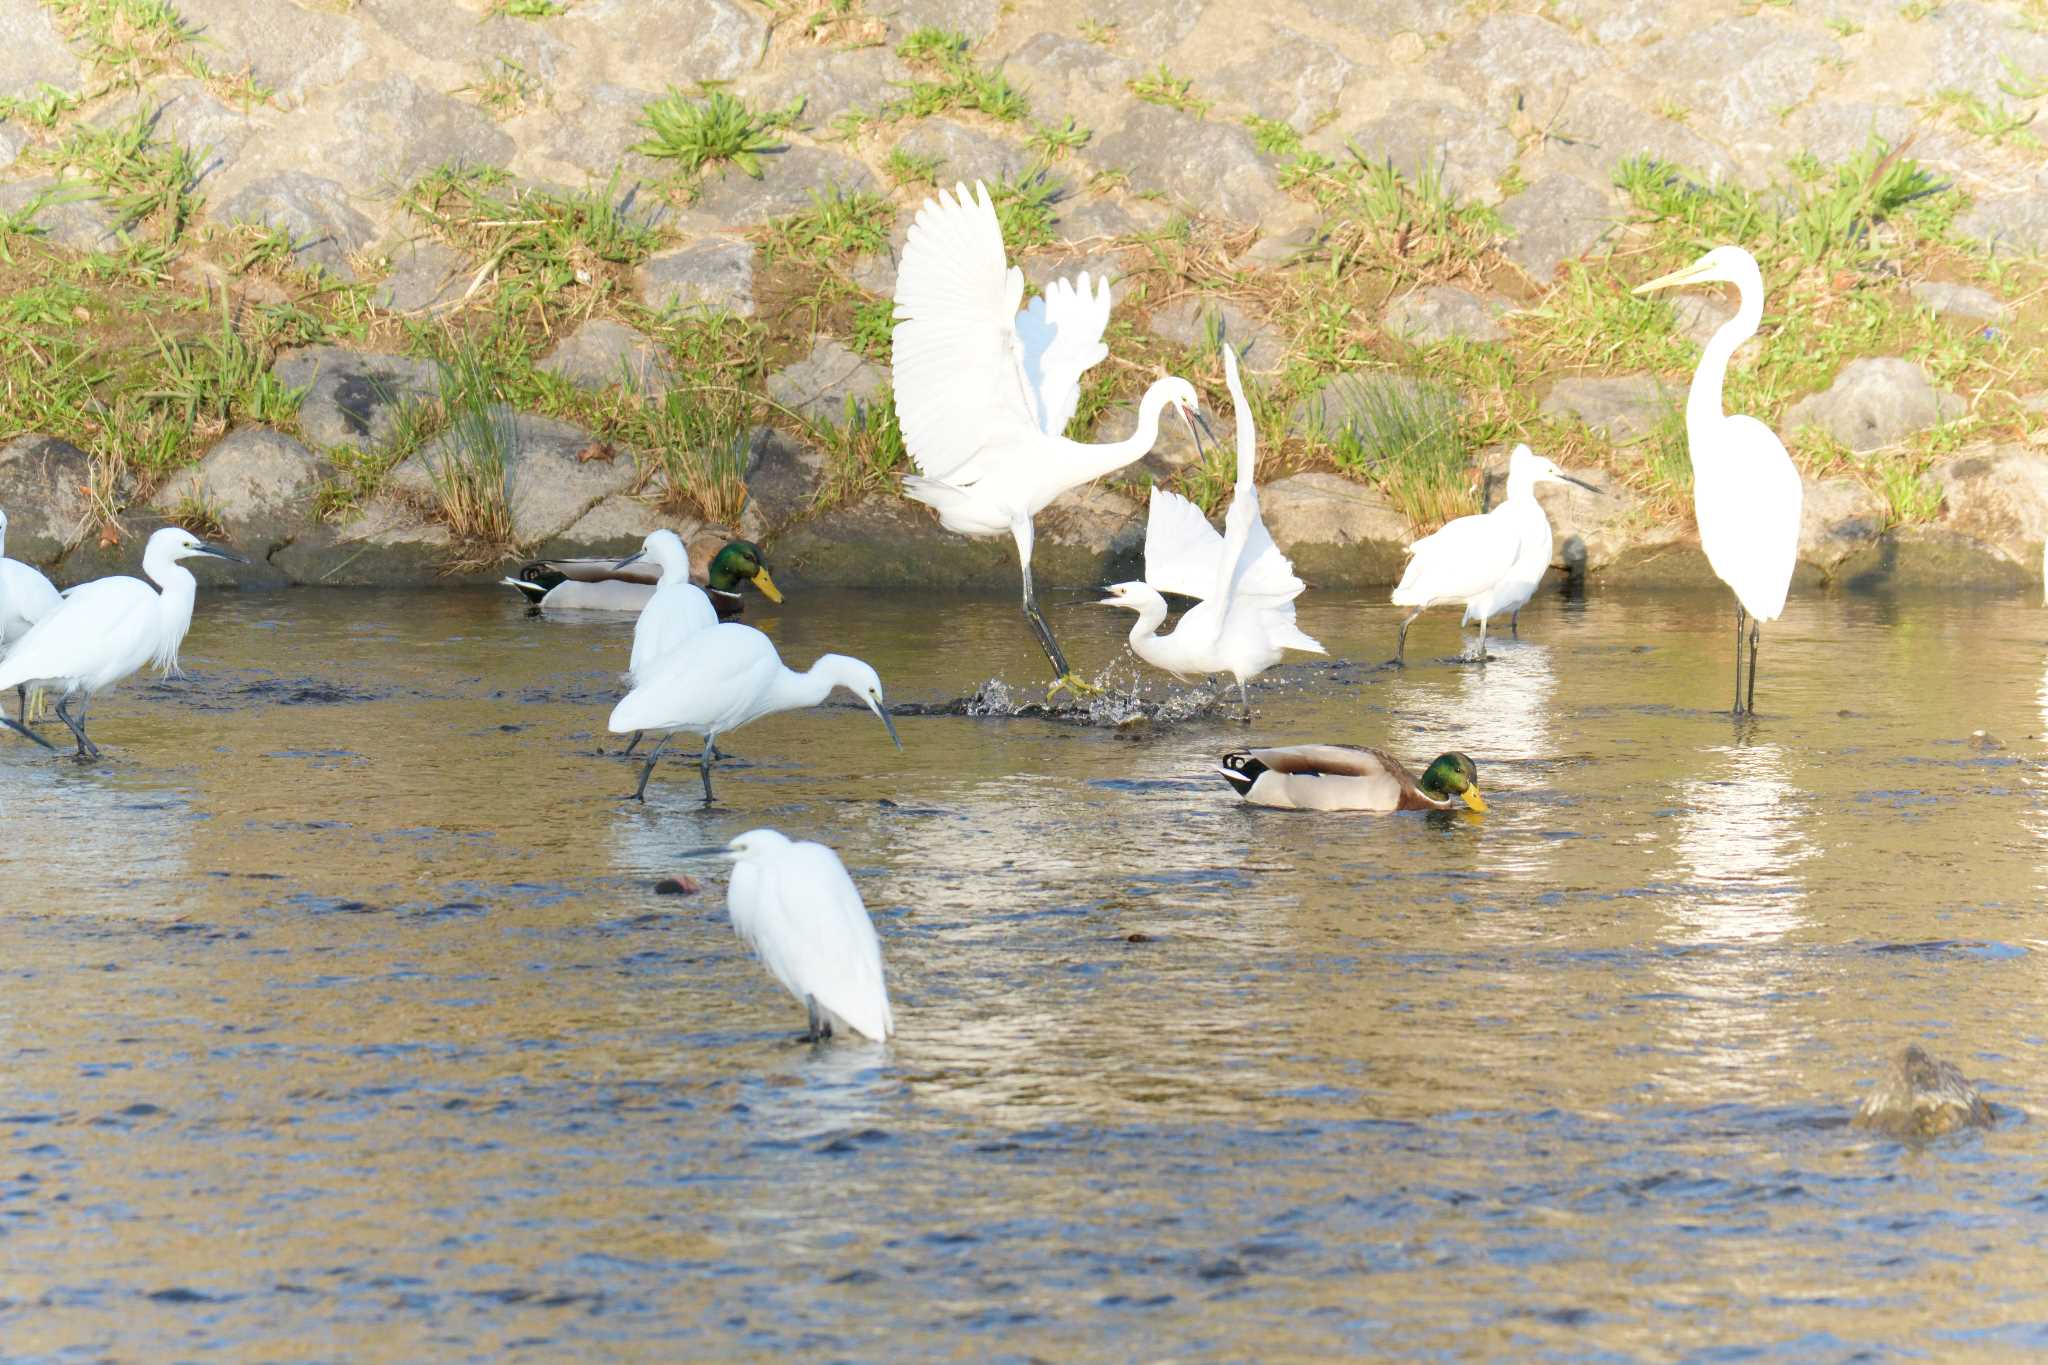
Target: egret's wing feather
28	597
98	625
1181	547
1749	515
710	684
675	612
1465	558
958	363
802	915
1061	335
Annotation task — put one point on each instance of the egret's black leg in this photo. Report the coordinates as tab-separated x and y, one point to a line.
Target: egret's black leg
1244	701
640	792
634	742
1740	614
27	733
1482	639
1401	647
86	748
704	767
1041	629
1755	633
821	1029
1515	623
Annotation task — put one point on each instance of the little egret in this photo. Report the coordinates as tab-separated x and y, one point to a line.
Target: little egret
26	597
108	628
1532	560
794	905
1746	495
1245	617
728	675
676	610
984	392
1473	559
1339	777
602	585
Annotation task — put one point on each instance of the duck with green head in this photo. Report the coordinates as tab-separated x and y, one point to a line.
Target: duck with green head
1340	777
608	585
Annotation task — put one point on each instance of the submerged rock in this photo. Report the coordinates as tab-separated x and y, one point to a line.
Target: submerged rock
1921	1096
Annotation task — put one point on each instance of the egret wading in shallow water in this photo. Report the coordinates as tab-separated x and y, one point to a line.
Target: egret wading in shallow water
796	907
607	585
26	597
1746	495
984	391
1339	777
726	676
1484	561
1245	617
108	628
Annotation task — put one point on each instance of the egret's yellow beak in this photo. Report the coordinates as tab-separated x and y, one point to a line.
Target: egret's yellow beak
1685	276
1473	800
766	585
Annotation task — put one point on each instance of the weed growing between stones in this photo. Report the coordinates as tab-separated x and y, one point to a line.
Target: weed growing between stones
835	225
716	128
1403	436
864	454
471	477
947	78
700	435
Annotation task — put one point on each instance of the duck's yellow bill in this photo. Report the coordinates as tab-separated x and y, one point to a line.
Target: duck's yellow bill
1684	276
1473	800
766	585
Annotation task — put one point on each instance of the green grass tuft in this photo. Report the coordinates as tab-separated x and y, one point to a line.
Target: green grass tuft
695	133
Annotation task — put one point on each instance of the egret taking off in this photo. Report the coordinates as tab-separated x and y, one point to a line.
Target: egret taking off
1746	495
1245	617
26	597
984	392
794	905
1483	561
108	628
730	674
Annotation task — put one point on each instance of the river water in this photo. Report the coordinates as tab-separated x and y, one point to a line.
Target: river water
339	1017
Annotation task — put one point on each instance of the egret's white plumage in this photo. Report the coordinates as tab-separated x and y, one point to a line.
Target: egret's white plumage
796	907
1746	493
677	610
984	391
107	628
1484	561
729	675
1245	617
26	597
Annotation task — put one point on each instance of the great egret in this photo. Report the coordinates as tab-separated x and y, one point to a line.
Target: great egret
602	585
1479	560
1245	617
1746	494
796	907
984	391
108	628
26	597
1339	777
728	675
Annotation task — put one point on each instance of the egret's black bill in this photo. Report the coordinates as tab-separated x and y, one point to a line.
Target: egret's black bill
1580	482
631	559
207	547
890	726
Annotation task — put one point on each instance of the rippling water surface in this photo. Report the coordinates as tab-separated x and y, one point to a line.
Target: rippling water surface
339	1018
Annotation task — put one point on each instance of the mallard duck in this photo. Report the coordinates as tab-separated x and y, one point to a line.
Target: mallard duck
1340	777
609	585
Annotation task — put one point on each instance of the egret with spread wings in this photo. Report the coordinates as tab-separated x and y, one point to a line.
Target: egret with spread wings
984	389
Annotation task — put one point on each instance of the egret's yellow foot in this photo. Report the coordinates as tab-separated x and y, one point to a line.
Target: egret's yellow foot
38	708
1074	685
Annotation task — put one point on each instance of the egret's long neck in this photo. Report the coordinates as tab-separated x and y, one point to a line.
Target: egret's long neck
1151	612
1703	403
1099	460
793	691
1521	488
174	608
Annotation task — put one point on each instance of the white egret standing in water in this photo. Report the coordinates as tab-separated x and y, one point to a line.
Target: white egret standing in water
984	392
1245	617
725	677
1483	560
108	628
26	597
1746	494
796	907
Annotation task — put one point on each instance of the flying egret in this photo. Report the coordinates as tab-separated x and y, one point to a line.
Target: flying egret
1746	495
1482	560
108	628
728	675
1245	617
602	585
796	907
1340	777
984	391
26	597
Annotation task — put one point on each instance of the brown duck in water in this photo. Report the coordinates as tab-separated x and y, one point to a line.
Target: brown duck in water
1340	777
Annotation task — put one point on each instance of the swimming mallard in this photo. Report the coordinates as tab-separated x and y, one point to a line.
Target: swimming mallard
605	585
1340	777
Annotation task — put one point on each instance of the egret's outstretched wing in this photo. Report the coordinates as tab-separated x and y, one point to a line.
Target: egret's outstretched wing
1464	559
1181	548
1061	334
801	914
1252	565
958	364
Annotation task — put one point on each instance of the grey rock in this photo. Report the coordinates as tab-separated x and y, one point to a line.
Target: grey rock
42	487
33	53
1836	132
1594	532
292	49
658	43
1619	410
187	113
1186	322
615	525
599	134
1612	23
789	180
717	275
1969	41
876	273
1997	496
783	477
1378	18
830	81
548	488
1088	218
819	385
1440	312
601	353
1960	301
354	398
315	213
1838	519
424	274
975	19
1560	218
1044	266
387	545
1149	25
382	136
1358	400
1699	316
1739	76
1875	403
2017	223
257	483
1337	532
1434	137
71	215
1212	167
455	33
1599	129
965	154
1069	77
1518	62
1297	80
1919	1097
1096	521
12	139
